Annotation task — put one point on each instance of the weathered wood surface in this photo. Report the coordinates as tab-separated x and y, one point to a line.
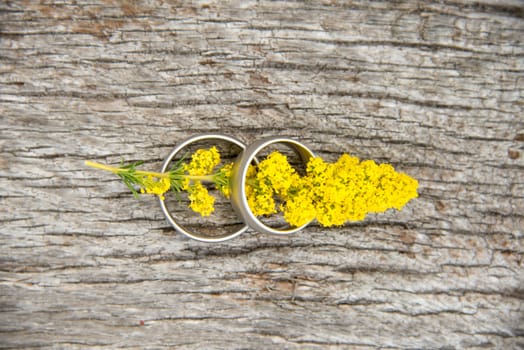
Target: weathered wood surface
436	89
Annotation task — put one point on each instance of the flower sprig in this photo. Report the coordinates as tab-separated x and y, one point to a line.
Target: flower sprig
180	177
331	193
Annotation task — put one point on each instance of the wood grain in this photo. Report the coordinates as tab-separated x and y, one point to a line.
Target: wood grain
434	88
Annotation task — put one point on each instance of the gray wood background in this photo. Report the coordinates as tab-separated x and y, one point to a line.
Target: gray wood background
434	88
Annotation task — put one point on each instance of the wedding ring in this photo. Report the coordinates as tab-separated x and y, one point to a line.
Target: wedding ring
238	182
199	236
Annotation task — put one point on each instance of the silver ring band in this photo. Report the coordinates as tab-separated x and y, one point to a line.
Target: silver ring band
238	182
195	235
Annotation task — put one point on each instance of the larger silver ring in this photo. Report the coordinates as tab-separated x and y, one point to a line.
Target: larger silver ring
238	182
195	235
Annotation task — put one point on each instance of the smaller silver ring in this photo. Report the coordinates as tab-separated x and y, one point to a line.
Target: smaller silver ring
238	182
199	236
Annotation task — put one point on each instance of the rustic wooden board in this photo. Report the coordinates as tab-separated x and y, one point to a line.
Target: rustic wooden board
436	89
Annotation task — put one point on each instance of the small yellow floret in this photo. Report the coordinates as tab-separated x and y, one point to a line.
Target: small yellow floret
201	201
203	162
298	209
259	194
276	172
154	185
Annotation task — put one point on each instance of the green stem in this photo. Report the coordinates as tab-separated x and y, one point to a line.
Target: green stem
122	170
116	170
207	178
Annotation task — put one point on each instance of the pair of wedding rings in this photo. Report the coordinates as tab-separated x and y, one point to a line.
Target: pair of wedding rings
244	159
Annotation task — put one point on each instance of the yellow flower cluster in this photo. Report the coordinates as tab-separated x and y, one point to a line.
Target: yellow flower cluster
259	194
349	189
346	190
154	185
201	201
202	164
273	176
203	161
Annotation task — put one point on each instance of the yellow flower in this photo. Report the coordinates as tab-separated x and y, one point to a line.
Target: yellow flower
259	194
335	193
352	189
273	176
203	161
201	201
276	172
153	185
298	209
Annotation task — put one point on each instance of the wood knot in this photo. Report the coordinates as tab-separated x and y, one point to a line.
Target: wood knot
440	206
513	154
519	137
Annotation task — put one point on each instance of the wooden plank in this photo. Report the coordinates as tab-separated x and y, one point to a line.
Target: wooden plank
434	88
